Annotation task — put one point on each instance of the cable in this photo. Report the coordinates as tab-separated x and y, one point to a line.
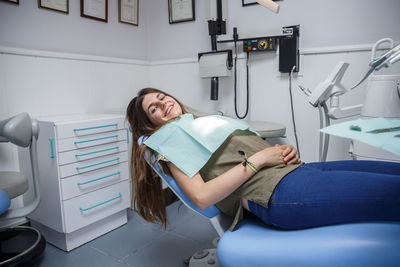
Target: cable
247	85
291	105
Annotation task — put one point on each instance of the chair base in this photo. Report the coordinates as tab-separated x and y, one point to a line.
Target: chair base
356	244
20	246
204	258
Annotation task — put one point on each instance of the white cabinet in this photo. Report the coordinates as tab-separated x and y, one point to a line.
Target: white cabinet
84	177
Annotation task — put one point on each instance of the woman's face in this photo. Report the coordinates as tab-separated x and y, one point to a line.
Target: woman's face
160	108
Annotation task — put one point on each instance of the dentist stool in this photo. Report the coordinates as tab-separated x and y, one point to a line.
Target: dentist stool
20	245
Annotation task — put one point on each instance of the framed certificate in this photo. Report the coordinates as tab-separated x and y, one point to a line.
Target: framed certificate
95	9
128	11
55	5
12	1
181	10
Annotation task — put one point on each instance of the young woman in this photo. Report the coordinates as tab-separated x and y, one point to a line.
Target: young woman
271	182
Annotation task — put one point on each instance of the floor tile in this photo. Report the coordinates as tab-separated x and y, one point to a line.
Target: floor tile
178	213
126	239
82	256
170	250
197	228
140	244
134	218
49	249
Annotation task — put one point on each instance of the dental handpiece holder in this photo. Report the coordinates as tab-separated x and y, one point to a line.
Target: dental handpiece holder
330	89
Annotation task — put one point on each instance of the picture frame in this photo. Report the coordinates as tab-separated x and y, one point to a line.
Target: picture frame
128	12
181	11
55	5
95	9
16	2
252	2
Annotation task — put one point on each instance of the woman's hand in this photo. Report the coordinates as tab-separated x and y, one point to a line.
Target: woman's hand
289	154
268	157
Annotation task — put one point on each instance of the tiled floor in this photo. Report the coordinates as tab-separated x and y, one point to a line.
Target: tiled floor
141	244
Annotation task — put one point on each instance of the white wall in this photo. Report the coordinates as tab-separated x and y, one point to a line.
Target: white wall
329	31
27	26
48	85
323	23
51	63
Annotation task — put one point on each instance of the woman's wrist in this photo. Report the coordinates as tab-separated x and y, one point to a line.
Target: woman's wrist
257	160
247	163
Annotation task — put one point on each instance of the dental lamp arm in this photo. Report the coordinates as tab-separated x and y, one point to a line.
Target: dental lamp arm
390	61
269	4
395	58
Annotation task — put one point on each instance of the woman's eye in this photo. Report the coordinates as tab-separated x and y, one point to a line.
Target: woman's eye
153	110
162	97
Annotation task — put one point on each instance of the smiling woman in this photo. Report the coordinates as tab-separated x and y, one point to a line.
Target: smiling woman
269	181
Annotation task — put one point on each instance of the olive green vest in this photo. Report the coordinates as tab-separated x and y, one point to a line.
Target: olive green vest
258	188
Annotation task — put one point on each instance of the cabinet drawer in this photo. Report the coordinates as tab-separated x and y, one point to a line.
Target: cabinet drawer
89	127
92	164
89	208
91	140
91	152
89	181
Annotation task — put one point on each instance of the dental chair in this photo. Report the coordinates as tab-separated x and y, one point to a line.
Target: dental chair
20	245
252	243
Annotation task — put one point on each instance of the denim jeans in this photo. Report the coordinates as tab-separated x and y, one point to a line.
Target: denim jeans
324	193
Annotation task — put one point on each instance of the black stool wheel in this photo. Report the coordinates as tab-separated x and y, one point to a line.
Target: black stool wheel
20	246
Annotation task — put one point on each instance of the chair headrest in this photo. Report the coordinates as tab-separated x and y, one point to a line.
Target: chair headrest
19	129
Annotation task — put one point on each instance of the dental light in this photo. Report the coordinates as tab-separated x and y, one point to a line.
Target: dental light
269	4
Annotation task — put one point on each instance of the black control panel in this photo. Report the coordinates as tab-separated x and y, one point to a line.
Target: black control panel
259	44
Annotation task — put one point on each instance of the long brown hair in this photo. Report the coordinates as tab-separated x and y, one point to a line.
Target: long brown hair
148	197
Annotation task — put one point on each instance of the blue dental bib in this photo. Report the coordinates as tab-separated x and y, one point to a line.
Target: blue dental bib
189	143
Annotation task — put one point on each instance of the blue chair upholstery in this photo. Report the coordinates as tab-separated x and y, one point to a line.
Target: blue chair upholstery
209	212
254	244
357	244
4	201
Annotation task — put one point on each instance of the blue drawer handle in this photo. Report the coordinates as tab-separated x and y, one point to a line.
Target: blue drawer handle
88	166
96	139
104	202
98	151
97	179
95	127
51	148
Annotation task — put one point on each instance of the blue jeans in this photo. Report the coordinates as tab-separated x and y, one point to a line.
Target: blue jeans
324	193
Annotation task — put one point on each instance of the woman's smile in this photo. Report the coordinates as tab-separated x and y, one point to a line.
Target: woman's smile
160	108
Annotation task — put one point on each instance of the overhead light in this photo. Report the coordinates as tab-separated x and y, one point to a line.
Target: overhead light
269	4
